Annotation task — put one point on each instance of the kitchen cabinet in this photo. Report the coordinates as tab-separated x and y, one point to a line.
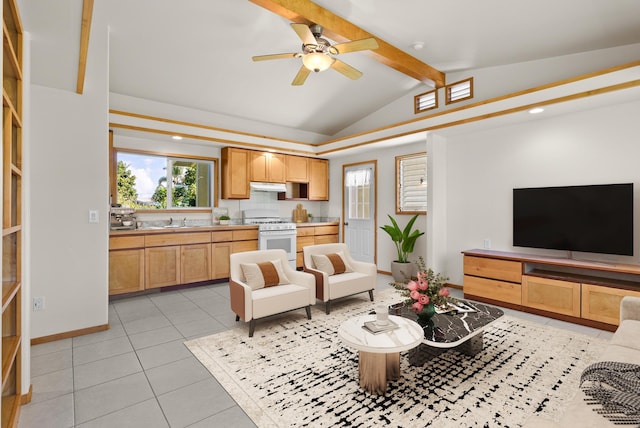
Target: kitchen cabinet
318	180
267	167
312	234
162	266
126	264
12	229
195	263
297	169
220	253
235	173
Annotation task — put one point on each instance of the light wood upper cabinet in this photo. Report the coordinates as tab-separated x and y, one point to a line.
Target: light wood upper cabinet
267	167
235	173
297	169
318	180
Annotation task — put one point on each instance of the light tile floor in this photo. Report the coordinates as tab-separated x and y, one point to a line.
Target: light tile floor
139	374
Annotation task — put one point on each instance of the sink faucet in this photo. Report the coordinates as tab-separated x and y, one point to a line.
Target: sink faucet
170	220
184	222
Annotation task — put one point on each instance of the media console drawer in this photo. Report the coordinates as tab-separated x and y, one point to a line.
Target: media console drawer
492	289
504	270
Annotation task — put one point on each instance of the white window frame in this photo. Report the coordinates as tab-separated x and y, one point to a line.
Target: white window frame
411	183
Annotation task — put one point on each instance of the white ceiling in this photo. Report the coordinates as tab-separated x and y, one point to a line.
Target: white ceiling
197	53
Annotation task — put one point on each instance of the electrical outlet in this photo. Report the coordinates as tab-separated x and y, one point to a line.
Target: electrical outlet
38	304
93	216
487	243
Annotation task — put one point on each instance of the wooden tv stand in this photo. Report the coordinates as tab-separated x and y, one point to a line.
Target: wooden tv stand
583	292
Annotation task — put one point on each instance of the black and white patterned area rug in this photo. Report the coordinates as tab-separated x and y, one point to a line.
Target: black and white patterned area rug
297	372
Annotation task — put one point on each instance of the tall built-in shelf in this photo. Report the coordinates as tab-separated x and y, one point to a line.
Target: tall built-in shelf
11	213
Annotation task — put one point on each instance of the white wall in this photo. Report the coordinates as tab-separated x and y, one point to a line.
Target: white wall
386	198
69	176
592	147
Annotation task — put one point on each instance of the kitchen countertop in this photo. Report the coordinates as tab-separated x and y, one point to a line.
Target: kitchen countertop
208	228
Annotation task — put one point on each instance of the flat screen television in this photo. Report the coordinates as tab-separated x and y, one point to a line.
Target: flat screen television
593	218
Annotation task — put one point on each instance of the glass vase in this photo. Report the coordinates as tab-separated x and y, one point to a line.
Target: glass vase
427	312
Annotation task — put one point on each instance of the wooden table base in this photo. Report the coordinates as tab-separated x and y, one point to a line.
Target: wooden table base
376	369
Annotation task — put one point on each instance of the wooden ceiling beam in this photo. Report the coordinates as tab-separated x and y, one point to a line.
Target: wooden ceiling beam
341	30
85	31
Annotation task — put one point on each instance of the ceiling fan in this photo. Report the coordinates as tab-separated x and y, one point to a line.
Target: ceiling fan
318	54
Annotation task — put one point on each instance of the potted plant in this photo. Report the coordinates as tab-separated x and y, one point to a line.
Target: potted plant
404	240
224	219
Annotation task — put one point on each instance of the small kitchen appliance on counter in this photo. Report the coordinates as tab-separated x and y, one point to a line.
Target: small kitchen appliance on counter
122	218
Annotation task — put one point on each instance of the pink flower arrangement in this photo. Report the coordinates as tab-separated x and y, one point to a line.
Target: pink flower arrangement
427	288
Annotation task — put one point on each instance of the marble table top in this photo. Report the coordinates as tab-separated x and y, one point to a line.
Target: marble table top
408	335
451	329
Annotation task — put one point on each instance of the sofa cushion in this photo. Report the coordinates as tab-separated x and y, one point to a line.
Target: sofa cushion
274	300
331	264
349	283
265	274
627	334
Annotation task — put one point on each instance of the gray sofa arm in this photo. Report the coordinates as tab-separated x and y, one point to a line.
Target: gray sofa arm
630	308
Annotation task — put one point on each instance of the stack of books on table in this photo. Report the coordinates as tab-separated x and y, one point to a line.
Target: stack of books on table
375	327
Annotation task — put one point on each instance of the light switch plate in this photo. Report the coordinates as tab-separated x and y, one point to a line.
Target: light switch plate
93	216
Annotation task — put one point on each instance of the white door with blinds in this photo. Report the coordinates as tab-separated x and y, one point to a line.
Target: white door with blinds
359	215
412	183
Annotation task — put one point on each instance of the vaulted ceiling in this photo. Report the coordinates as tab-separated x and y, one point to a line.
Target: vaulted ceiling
197	53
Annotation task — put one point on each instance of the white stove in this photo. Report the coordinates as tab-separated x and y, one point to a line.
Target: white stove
273	232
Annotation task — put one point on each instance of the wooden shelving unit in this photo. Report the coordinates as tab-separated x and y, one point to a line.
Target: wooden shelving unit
11	213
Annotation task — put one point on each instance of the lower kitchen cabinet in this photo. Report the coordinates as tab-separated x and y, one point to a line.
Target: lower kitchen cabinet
126	271
142	261
220	253
313	234
195	263
162	266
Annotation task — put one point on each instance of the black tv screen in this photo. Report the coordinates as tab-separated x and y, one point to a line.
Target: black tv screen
593	219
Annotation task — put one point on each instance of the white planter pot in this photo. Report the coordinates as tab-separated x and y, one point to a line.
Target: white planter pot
402	272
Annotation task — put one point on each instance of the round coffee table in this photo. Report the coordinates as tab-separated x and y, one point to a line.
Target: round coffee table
379	353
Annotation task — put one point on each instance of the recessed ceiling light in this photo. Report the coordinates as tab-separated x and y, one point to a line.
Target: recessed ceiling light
536	110
177	137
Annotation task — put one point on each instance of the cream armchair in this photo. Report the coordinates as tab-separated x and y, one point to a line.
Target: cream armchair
262	283
331	283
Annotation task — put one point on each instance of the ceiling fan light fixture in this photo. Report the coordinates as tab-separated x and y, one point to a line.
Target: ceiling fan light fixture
316	61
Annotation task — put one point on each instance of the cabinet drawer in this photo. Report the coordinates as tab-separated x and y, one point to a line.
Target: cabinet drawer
245	234
603	303
240	246
163	240
303	241
504	270
222	236
305	231
326	239
562	297
491	289
327	230
123	242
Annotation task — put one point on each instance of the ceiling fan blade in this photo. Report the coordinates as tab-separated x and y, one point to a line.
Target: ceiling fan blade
274	56
356	45
305	34
346	69
302	75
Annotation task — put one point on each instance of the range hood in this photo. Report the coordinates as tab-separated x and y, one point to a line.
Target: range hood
268	187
